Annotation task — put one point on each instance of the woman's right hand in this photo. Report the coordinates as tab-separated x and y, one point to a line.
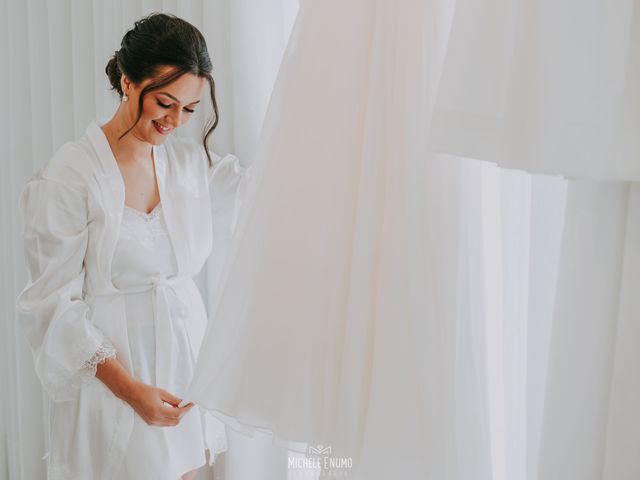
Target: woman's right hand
148	402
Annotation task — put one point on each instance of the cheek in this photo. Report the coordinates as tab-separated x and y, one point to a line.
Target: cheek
152	111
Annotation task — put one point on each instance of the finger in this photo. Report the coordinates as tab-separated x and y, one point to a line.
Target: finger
158	422
188	405
170	422
184	411
170	398
170	412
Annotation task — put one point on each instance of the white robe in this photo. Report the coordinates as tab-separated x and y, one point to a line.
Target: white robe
72	208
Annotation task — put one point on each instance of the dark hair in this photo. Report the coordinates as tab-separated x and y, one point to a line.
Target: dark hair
155	41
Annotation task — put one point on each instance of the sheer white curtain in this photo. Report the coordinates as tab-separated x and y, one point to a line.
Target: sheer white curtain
425	314
431	314
53	85
555	86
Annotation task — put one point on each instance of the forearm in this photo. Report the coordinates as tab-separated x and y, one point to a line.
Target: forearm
113	374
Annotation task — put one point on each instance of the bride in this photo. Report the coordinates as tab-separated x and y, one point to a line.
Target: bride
116	224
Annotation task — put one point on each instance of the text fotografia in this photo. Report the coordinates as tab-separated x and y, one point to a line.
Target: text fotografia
320	458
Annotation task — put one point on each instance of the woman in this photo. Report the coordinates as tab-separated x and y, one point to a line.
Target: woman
115	226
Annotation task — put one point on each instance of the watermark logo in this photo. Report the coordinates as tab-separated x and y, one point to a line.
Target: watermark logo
320	459
319	450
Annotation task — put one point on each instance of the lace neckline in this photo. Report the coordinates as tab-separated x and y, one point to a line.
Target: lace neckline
147	216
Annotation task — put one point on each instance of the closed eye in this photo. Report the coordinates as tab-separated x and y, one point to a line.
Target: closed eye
169	106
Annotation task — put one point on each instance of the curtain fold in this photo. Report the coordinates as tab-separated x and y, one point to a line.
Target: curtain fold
545	86
623	420
418	311
586	313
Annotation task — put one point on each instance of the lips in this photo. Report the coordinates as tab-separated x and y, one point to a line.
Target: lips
160	129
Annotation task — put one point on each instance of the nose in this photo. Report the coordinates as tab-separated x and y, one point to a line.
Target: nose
175	119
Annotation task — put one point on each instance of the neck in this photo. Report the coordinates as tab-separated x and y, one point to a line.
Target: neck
130	148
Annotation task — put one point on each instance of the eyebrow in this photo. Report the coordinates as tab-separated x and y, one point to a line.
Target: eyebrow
174	98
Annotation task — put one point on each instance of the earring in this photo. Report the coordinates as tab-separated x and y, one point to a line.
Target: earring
125	97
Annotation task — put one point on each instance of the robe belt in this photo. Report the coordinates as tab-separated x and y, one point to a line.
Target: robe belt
167	306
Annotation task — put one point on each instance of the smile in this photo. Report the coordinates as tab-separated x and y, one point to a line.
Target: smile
161	128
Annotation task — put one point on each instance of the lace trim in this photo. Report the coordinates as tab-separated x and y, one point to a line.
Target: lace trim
146	216
145	232
105	351
64	385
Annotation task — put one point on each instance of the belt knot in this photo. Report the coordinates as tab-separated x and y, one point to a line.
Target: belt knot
177	306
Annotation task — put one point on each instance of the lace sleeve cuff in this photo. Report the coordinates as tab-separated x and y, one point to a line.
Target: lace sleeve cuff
104	352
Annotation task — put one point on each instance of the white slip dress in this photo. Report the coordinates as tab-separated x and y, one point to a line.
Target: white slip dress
156	452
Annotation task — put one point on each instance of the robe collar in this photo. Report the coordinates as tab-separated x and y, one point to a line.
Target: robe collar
112	183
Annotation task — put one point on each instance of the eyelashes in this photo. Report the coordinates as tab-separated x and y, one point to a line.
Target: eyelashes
169	106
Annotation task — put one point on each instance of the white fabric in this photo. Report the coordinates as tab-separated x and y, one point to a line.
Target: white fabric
337	262
144	250
56	238
547	86
66	82
72	209
591	417
415	311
